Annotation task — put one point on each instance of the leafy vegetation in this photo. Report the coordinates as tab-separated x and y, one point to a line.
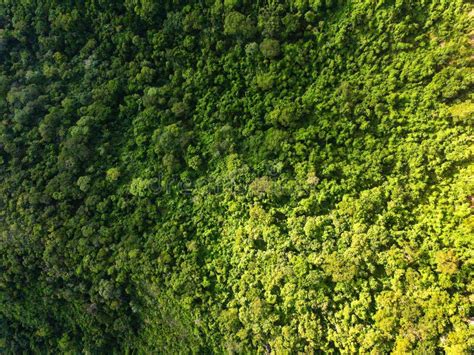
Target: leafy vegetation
236	176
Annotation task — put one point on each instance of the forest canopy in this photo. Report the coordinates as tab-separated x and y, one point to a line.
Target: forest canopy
236	176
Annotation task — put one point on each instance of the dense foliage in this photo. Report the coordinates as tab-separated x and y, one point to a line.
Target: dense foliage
235	176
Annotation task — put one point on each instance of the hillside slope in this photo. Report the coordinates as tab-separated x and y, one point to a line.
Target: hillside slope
236	176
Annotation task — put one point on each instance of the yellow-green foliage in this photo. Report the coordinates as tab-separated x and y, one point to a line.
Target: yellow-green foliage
236	176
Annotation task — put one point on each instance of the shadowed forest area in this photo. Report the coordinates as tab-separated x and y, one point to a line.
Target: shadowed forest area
236	176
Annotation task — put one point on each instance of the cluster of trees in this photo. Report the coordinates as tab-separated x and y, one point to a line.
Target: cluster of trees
326	147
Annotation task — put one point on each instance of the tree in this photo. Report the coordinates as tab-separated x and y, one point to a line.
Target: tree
238	25
140	187
270	48
112	174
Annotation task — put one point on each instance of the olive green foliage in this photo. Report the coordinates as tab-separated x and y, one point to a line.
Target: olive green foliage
236	176
270	48
239	25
